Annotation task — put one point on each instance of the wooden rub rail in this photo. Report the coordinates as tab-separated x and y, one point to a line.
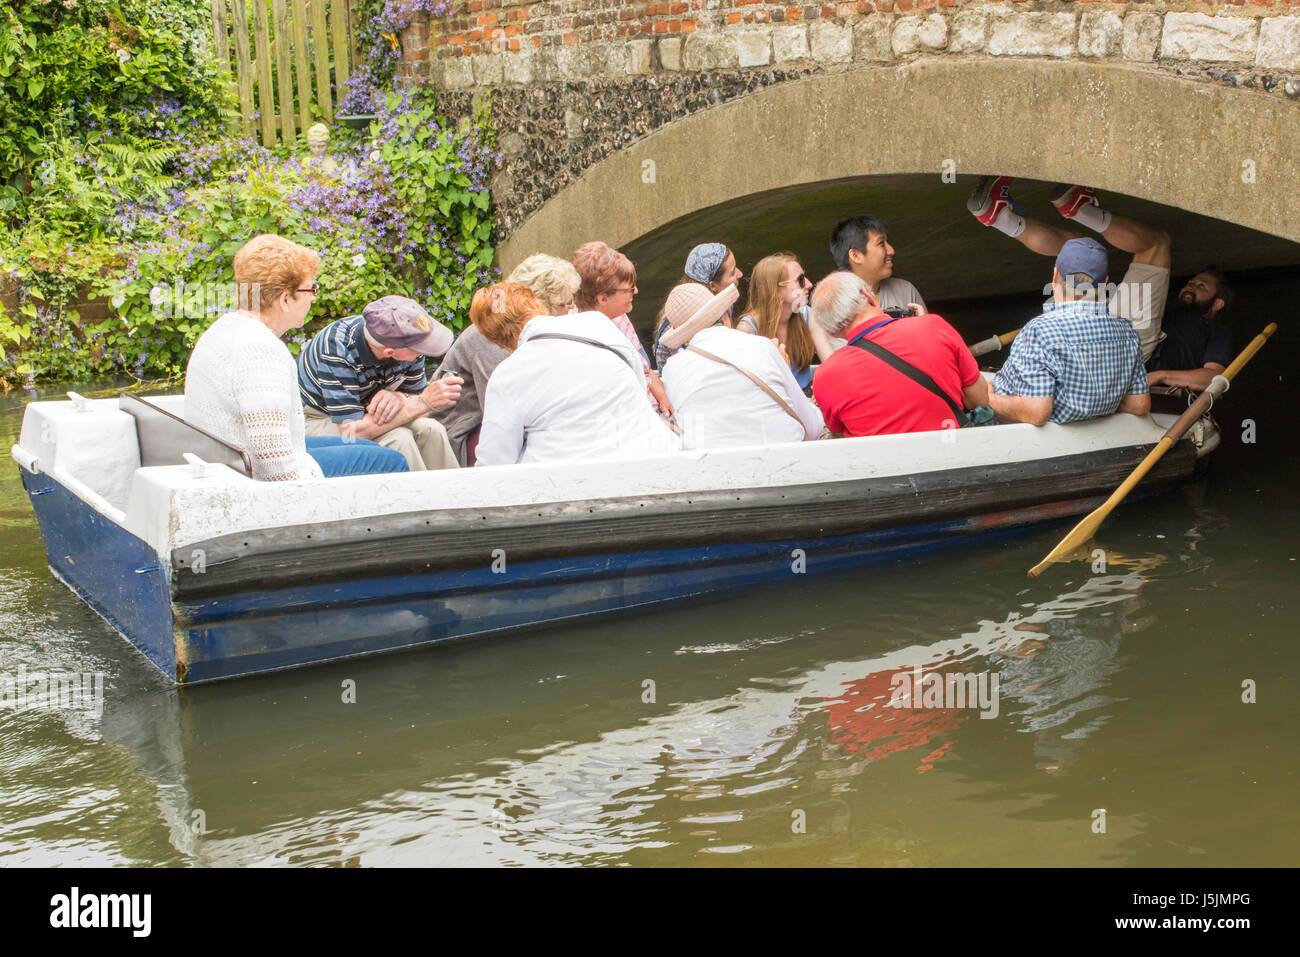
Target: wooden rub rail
449	539
292	42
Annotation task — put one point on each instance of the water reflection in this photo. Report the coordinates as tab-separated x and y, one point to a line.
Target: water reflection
1066	658
451	763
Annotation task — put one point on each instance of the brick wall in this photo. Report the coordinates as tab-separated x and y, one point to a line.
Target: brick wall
482	27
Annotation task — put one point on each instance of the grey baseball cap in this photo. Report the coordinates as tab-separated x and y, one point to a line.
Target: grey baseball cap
1085	256
401	323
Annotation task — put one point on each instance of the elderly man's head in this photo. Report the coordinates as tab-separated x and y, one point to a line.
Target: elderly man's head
840	300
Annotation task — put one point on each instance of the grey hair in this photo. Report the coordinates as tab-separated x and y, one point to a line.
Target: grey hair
1080	285
553	280
837	301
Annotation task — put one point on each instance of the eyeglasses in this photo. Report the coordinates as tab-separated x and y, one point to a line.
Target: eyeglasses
313	288
802	279
632	289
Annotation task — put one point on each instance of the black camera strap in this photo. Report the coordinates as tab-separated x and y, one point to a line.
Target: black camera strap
913	373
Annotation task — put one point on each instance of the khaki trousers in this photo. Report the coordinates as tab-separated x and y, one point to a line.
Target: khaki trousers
422	442
1142	296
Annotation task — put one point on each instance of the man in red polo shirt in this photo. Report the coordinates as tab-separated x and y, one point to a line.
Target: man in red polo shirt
861	393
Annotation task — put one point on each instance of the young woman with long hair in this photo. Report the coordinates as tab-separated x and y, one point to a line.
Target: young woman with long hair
778	291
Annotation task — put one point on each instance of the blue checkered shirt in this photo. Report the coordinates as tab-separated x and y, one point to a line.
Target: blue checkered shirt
1078	353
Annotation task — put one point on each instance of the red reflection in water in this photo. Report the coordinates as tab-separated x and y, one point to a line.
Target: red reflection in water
862	720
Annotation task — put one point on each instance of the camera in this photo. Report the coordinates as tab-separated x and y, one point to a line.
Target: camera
898	312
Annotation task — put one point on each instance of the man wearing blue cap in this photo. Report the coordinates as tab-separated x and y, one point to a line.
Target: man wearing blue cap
1077	360
1184	345
1142	292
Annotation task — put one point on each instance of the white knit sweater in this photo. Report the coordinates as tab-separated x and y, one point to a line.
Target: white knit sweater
242	386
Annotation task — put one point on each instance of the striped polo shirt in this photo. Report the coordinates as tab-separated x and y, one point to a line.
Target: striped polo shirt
338	374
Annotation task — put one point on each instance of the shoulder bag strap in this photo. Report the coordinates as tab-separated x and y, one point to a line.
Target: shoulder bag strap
590	342
913	373
754	379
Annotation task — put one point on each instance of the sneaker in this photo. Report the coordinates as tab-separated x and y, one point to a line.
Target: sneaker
991	195
1068	200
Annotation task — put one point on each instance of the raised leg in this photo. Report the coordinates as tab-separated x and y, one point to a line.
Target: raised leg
1148	244
1044	239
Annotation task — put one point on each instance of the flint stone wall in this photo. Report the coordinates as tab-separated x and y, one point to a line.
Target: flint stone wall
573	82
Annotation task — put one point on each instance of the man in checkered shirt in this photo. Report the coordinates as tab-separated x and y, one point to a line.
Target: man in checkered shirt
1077	360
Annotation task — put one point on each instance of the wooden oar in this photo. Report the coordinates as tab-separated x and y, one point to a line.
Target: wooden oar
993	343
1219	385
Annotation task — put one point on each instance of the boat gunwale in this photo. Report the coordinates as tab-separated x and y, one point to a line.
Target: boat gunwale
458	538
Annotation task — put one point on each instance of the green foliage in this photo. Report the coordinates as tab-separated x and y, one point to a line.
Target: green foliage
411	215
444	191
92	91
123	197
46	336
78	187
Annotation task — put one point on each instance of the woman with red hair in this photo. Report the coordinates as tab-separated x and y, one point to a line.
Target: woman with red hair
241	384
474	358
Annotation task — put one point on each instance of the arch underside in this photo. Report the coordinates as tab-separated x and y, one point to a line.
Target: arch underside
1209	149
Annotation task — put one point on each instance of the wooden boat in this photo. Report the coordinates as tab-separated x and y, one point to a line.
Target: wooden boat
212	575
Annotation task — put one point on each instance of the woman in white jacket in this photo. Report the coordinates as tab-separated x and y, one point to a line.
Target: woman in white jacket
729	388
572	389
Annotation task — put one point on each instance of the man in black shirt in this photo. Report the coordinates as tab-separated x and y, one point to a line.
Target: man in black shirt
1197	344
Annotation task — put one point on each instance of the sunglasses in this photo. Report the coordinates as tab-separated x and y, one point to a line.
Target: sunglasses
313	288
802	279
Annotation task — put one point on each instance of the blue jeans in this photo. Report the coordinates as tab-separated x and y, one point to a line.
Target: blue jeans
339	456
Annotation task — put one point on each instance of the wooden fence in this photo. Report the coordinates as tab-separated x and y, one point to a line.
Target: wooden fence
294	41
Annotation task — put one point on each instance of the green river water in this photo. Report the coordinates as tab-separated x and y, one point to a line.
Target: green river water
766	742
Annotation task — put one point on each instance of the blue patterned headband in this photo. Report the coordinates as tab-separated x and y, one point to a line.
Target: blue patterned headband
704	261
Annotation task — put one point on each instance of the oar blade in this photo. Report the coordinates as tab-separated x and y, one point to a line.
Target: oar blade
1088	527
1078	536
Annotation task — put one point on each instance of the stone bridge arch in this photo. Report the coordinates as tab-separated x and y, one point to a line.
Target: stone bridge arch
1209	148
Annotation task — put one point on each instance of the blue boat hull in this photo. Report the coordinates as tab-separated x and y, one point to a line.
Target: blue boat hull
113	571
260	630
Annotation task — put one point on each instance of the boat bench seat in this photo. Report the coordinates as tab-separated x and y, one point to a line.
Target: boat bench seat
166	437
